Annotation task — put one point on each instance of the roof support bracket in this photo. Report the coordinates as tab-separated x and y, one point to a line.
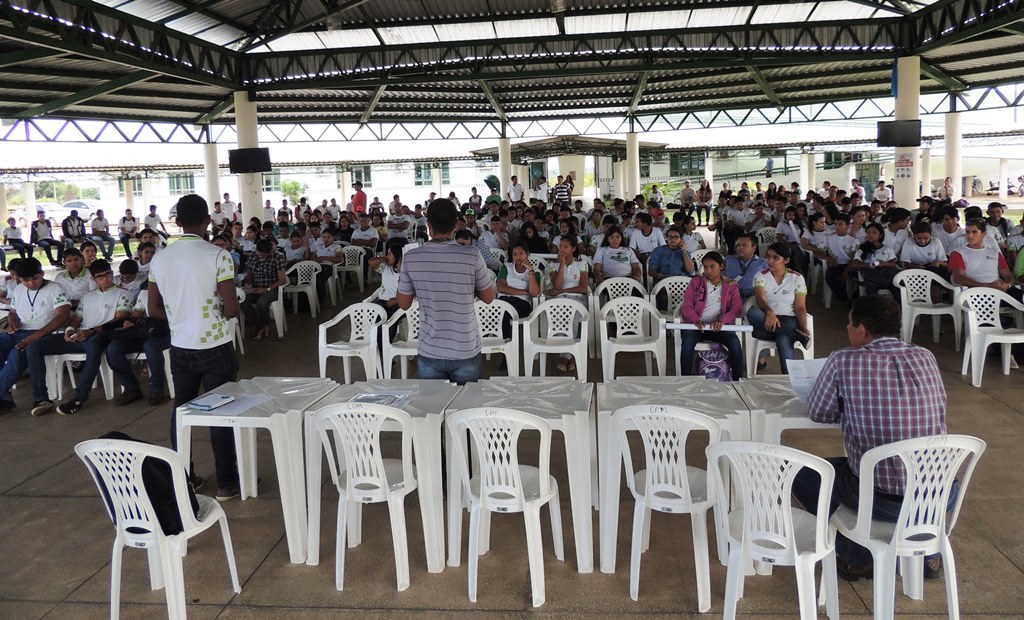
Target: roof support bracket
489	92
374	98
769	92
638	94
940	76
87	94
216	111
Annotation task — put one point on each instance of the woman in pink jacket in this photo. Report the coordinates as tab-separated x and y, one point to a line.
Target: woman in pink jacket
710	302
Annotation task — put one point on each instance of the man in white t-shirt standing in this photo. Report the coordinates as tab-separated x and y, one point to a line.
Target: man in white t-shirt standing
192	286
229	205
269	213
882	193
515	190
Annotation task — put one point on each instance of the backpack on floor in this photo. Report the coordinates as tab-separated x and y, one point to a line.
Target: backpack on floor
714	364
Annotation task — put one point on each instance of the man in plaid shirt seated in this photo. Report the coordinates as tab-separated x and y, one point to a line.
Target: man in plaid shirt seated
879	391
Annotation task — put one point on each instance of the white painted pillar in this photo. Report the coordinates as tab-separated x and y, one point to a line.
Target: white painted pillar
632	165
619	179
129	196
147	197
807	177
504	164
212	171
250	184
709	174
435	176
850	172
954	161
3	204
28	190
346	188
907	167
926	172
1004	172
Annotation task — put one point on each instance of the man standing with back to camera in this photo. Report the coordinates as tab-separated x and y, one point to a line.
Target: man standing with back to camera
189	283
446	278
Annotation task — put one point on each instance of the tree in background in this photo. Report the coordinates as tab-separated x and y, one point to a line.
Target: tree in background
292	190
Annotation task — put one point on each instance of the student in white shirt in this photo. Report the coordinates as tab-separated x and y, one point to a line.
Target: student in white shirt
87	333
12	237
128	279
296	250
328	255
127	229
923	251
613	260
144	258
75	279
269	212
876	261
101	235
839	248
219	219
155	223
38	308
569	278
646	237
518	285
780	309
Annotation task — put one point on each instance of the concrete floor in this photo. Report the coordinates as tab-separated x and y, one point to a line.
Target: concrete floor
55	537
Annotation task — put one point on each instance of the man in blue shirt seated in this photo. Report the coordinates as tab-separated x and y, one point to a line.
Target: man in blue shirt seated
745	264
669	260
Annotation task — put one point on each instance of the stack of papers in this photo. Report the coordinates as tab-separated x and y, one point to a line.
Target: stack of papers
210	402
803	374
398	400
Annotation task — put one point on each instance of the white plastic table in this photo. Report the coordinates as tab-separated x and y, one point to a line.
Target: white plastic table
282	416
774	408
566	405
427	402
716	399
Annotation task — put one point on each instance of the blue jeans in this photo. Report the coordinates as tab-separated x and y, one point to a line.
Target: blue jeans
126	240
15	362
153	347
54	344
206	369
105	243
690	338
456	371
46	244
783	334
846	491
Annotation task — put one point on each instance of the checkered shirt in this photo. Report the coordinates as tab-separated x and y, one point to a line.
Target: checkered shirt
883	392
264	272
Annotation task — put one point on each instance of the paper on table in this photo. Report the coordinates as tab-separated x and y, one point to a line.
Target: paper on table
241	404
398	400
803	374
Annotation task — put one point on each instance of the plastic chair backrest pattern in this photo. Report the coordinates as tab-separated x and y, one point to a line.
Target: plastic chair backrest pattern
931	465
664	430
489	317
356	428
983	305
559	314
354	255
365	318
116	467
632	315
615	288
697	256
764	474
305	272
675	288
495	433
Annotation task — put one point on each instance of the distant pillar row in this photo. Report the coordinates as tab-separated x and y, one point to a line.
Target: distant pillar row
212	172
954	163
807	177
250	184
709	174
504	164
632	165
28	190
926	172
129	195
906	169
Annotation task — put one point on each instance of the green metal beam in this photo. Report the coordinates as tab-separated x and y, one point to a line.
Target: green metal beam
216	111
374	99
946	21
489	92
639	92
769	92
28	55
333	8
940	76
87	94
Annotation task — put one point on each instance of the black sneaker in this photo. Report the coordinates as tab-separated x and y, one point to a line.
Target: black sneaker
196	482
155	398
70	407
803	338
128	397
228	493
41	406
8	405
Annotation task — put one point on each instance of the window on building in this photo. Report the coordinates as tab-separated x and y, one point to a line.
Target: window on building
181	183
123	183
686	165
423	174
359	173
271	181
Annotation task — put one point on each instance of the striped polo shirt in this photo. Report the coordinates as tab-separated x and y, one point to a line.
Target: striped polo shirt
444	277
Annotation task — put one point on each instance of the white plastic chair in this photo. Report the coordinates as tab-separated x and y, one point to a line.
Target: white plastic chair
499	255
755	346
503	485
698	260
375	295
305	283
923	528
355	257
276	312
363	476
239	324
815	272
364	320
490	318
766	527
667	484
116	467
916	299
765	237
167	370
639	327
552	328
405	344
675	289
983	307
611	288
58	363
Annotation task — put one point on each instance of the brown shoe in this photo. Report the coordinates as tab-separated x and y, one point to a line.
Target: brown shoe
854	572
933	568
128	397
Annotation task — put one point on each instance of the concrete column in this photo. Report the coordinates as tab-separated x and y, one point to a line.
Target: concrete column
346	188
435	175
807	176
28	190
954	161
632	165
926	172
250	185
850	171
129	195
212	171
619	179
3	203
709	174
1004	172
147	196
907	168
504	164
